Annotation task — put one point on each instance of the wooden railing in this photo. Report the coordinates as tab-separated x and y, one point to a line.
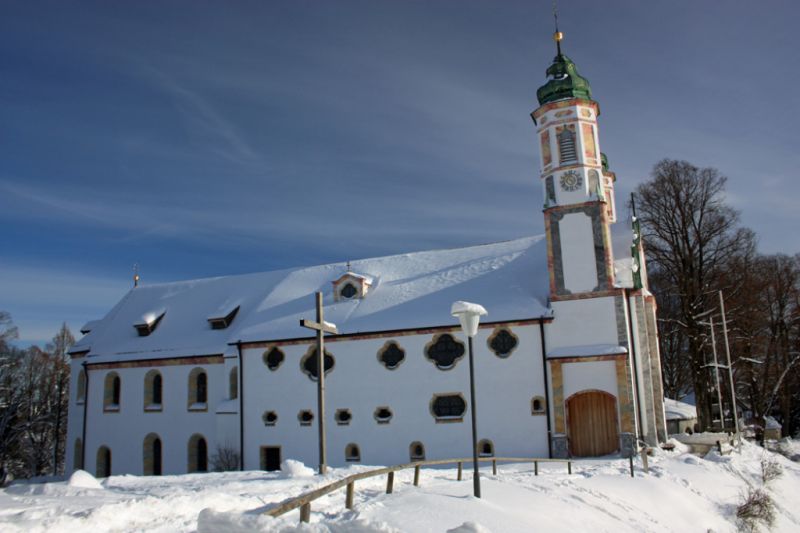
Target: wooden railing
304	500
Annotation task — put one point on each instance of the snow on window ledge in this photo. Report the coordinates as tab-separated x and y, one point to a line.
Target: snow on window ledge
152	407
112	407
199	406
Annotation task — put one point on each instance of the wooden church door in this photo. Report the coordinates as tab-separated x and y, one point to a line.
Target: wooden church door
592	424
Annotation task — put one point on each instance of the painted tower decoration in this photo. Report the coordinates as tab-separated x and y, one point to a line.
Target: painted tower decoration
579	209
566	362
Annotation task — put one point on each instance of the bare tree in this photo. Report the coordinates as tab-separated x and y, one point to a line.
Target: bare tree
690	235
58	350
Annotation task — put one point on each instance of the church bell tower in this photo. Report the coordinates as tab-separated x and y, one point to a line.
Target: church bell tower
577	186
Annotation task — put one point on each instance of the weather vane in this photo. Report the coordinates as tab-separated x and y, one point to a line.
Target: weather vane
136	274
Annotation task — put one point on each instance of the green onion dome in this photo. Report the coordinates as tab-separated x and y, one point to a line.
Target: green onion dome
564	82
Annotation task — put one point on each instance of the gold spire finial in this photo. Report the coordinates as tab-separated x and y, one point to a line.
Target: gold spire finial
136	275
557	36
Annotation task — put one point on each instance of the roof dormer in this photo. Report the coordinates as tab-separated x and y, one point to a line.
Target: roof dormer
149	322
223	318
351	286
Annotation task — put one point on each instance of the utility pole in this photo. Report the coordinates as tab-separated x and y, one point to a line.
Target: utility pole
716	374
730	366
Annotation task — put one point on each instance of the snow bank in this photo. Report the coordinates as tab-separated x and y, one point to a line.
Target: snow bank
676	410
682	492
294	469
469	527
83	480
210	521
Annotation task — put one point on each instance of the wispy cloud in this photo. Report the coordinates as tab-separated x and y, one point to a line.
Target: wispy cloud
41	298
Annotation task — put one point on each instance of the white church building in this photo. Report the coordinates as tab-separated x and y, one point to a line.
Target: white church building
567	360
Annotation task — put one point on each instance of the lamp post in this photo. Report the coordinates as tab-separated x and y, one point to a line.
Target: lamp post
469	315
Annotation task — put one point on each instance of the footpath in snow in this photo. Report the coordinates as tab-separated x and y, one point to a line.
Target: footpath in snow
682	492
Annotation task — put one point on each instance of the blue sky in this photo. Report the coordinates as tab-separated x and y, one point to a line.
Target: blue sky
201	139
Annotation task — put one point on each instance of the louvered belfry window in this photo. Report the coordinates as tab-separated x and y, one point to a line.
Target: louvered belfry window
566	146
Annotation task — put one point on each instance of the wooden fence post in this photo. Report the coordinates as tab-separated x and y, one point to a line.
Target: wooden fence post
569	467
494	467
348	501
631	460
536	468
305	512
390	483
416	476
459	470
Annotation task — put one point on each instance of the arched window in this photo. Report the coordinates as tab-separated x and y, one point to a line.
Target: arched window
77	455
111	392
153	390
566	145
444	351
157	389
233	383
152	455
485	448
538	405
198	454
416	451
103	468
80	395
352	453
198	390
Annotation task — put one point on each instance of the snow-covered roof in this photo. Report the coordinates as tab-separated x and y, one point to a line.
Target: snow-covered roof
676	410
587	350
413	290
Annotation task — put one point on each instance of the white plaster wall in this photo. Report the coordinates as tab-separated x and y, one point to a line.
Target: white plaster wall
74	416
360	383
124	431
594	375
582	322
577	252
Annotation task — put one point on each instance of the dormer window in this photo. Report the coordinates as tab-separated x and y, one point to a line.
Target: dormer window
88	327
223	321
149	323
348	290
351	286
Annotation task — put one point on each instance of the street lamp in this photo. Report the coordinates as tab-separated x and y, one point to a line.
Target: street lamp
469	315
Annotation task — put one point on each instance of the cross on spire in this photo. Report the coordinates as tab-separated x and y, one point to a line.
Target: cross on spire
557	36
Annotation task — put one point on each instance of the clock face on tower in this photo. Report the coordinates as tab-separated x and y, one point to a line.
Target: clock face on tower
571	181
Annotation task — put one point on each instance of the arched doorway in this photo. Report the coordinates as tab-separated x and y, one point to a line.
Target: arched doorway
592	424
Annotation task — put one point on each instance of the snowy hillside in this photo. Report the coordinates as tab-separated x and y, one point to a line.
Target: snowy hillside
682	493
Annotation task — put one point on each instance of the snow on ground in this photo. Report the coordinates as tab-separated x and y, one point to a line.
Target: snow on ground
682	492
